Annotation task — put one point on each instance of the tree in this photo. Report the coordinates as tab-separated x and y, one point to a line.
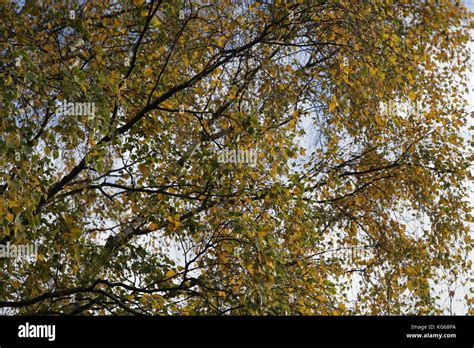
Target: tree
114	115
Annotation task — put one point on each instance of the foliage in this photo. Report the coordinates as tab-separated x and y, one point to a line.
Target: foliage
131	210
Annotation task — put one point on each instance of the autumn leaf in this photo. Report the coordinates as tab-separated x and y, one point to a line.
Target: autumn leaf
270	154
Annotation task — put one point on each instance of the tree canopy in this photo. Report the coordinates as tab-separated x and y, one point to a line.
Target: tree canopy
113	115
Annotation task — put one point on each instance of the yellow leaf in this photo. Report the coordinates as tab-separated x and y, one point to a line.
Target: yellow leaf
221	41
143	168
10	217
148	71
153	226
171	273
333	104
155	22
13	204
75	231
